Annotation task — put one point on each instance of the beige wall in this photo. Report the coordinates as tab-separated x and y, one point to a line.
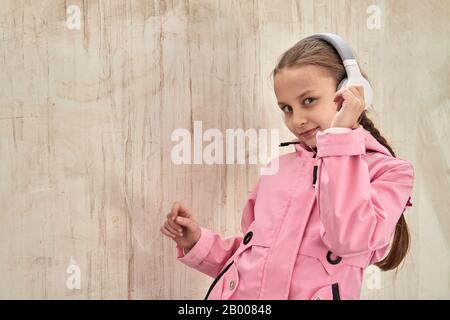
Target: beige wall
86	116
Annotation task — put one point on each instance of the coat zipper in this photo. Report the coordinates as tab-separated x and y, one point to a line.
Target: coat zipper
335	290
315	169
314	176
217	279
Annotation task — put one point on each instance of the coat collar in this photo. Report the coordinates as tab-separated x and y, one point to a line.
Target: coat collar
303	150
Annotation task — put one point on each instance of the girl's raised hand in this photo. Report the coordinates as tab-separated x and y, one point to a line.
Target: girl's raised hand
350	104
181	226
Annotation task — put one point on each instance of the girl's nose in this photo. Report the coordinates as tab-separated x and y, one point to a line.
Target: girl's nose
299	119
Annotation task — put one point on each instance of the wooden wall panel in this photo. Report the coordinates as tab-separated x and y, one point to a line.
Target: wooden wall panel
86	117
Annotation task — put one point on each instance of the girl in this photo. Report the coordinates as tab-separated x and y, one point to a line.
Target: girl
310	230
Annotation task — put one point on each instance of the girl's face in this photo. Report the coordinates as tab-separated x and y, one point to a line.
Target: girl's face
305	95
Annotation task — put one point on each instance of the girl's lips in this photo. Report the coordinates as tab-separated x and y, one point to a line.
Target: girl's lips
308	133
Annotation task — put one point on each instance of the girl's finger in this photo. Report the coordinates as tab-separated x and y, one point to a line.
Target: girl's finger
358	91
184	212
357	95
350	98
343	96
173	224
179	209
172	230
167	233
186	222
174	210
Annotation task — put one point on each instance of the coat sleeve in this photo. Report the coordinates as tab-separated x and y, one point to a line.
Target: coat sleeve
358	215
211	252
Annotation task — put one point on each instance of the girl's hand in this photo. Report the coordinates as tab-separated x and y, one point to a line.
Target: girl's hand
350	104
181	226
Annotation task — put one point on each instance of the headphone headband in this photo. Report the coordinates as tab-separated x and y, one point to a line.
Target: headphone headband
348	60
337	42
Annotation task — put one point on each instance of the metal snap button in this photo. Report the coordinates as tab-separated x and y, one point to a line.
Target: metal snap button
232	284
248	237
336	261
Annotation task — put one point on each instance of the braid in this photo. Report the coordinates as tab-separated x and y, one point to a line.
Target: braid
369	126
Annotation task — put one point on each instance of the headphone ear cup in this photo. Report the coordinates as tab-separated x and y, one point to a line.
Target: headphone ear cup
368	91
342	84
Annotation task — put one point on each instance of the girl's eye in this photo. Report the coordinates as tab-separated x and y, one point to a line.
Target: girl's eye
310	99
283	108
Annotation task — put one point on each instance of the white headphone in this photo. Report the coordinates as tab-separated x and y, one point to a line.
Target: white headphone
354	75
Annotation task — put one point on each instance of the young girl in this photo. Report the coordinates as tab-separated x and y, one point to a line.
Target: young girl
310	230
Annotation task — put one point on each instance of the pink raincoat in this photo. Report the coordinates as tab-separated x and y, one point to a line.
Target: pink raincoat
309	230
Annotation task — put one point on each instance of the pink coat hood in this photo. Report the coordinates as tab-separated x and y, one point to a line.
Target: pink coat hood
310	230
